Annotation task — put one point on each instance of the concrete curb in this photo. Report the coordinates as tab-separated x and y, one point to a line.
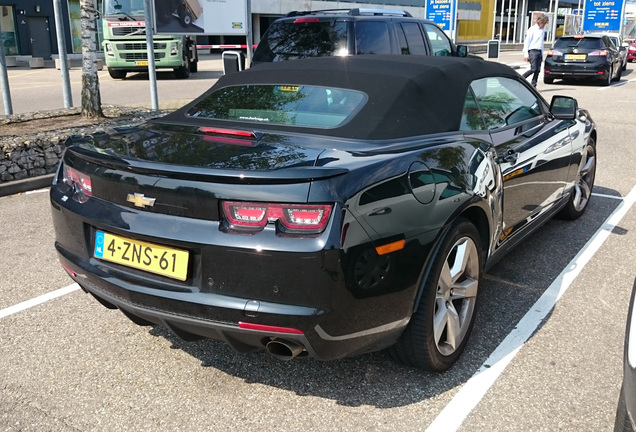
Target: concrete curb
25	185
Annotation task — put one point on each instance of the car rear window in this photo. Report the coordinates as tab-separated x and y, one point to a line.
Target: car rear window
289	105
303	37
585	42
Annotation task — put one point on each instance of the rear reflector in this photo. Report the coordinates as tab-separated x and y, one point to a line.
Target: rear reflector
68	270
391	247
268	329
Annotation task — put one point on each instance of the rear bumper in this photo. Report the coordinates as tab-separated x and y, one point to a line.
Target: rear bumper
193	316
303	296
595	71
131	66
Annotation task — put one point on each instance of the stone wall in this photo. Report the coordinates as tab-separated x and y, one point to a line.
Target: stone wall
32	144
24	158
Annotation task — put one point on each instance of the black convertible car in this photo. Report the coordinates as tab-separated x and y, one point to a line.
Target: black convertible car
323	207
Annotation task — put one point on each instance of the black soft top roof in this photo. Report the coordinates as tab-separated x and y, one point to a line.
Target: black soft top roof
408	95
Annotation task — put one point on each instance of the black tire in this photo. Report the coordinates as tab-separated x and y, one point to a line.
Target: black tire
117	74
622	422
624	66
582	190
547	80
445	297
183	72
608	80
186	18
619	74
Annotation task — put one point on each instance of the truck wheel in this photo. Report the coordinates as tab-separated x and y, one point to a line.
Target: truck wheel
117	74
183	72
186	18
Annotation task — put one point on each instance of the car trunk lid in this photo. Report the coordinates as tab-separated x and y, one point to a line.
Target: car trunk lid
186	171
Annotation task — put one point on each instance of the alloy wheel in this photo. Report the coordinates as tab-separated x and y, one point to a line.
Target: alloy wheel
585	181
456	296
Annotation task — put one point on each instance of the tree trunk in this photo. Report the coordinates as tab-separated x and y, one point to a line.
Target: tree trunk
91	99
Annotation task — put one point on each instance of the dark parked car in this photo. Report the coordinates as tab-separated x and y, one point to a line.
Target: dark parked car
304	209
626	410
590	57
339	32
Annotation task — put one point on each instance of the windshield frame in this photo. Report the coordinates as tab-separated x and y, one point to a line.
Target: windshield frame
126	10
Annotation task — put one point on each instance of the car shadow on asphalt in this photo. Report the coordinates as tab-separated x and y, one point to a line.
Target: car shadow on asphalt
507	292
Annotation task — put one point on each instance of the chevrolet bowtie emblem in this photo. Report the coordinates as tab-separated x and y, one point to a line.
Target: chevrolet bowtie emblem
139	200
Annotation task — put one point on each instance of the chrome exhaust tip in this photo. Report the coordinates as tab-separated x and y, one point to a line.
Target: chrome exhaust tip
283	350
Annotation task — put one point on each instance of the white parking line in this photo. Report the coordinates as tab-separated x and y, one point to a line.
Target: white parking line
38	300
618	84
467	398
616	197
37	191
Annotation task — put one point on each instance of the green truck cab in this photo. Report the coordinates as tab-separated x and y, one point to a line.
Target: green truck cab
124	42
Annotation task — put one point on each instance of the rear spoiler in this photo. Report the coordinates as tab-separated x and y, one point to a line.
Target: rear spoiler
278	176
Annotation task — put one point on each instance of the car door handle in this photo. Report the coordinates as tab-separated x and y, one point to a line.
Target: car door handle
381	211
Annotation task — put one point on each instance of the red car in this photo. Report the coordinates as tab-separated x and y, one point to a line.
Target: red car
631	51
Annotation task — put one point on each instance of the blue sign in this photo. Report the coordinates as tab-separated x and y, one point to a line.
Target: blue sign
603	15
440	11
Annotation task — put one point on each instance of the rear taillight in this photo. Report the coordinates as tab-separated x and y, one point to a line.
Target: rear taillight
554	53
298	218
79	181
600	53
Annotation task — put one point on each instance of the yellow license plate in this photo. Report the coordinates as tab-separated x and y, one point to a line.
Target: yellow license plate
149	257
141	63
575	56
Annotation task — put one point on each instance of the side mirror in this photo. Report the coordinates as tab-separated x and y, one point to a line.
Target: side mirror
564	107
462	50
